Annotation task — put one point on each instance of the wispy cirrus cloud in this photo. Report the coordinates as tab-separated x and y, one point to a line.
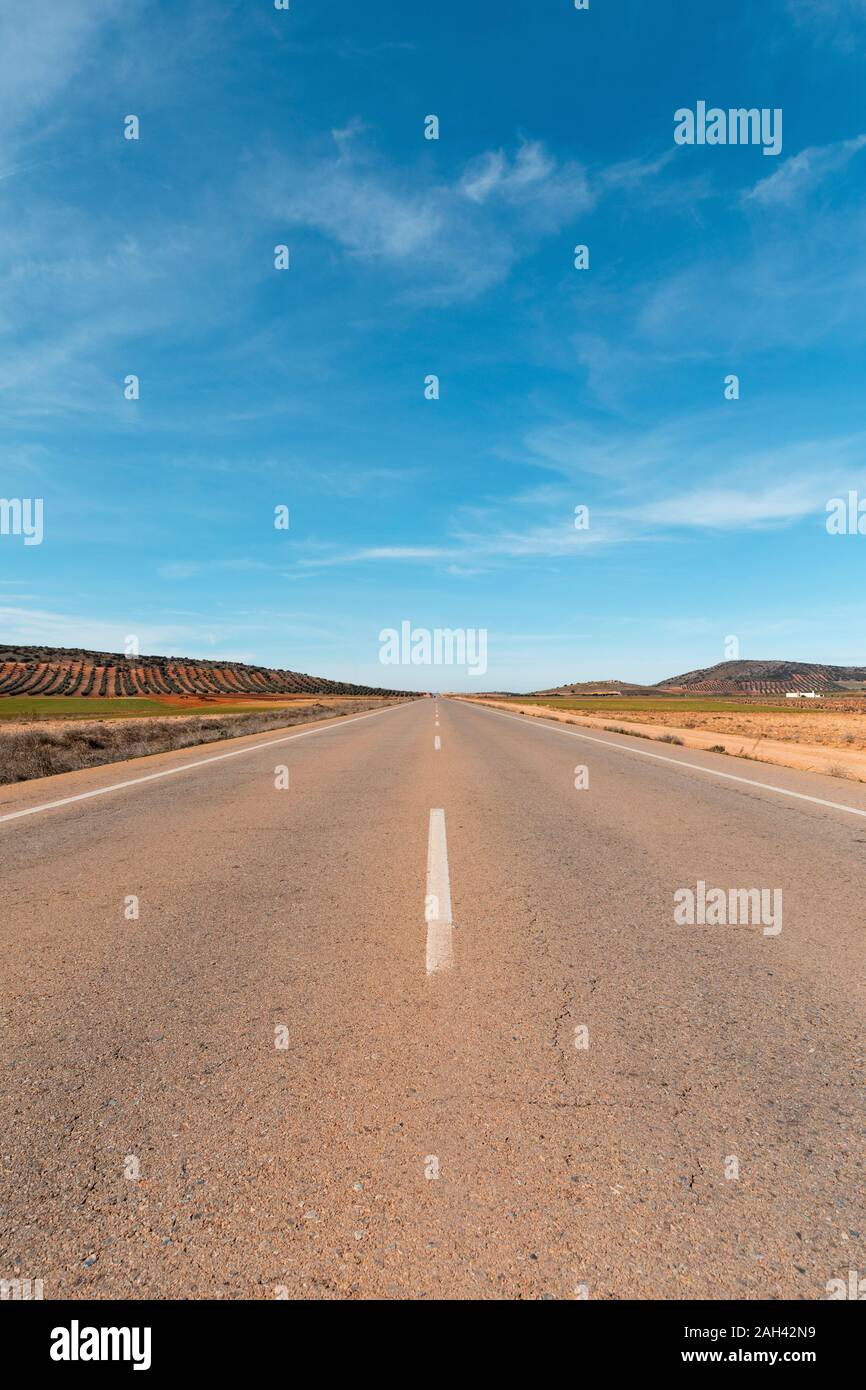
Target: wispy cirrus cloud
731	508
762	489
535	185
574	449
450	241
838	22
760	297
361	555
43	49
49	627
638	476
803	172
635	495
491	540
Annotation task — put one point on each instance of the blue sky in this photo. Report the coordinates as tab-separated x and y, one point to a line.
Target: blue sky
559	387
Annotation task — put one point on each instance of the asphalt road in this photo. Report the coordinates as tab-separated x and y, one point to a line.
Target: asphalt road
350	1048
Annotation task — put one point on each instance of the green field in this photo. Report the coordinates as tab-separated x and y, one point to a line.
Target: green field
685	704
128	707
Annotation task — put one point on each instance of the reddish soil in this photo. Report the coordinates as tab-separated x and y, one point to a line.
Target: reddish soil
40	671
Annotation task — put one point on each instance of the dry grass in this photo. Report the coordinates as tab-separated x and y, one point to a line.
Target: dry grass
807	742
41	751
817	727
836	770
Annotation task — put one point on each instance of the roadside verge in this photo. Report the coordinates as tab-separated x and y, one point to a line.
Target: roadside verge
834	762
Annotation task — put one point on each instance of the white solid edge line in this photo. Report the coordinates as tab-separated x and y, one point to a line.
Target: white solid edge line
437	905
188	767
530	723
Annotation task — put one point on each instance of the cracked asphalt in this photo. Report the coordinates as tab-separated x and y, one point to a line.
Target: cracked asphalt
255	1089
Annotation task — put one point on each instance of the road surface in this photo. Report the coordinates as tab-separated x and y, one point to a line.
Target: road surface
422	1022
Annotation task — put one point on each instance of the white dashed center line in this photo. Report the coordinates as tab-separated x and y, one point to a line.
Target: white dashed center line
437	743
437	904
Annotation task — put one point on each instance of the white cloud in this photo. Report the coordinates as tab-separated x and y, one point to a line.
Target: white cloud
803	172
720	508
631	173
34	627
453	240
532	174
42	48
748	488
550	540
179	569
365	554
764	489
632	482
761	298
839	22
483	537
575	448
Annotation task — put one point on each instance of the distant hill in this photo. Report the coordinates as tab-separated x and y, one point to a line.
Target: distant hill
767	678
73	671
594	688
733	678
